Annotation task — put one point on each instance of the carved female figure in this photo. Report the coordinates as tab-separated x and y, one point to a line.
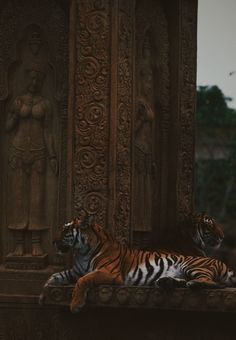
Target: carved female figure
143	166
31	142
144	141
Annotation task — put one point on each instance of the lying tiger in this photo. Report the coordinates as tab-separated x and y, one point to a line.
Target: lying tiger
99	259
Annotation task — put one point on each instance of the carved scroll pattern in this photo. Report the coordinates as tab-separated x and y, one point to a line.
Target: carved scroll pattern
92	111
124	118
187	107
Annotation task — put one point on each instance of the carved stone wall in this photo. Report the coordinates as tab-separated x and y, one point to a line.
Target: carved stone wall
187	93
112	43
92	109
123	107
103	113
126	131
105	47
106	102
33	104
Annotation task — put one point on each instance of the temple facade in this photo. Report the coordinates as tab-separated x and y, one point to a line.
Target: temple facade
97	105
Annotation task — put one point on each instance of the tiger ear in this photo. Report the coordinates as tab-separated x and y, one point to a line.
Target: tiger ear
77	221
203	216
87	222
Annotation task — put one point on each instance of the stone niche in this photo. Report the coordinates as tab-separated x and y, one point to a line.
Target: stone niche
34	113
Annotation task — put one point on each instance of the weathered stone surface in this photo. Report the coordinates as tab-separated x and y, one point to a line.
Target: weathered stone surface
221	300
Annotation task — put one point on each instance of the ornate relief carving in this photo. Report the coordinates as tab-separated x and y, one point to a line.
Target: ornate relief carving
92	109
145	134
93	134
29	120
187	107
33	85
124	120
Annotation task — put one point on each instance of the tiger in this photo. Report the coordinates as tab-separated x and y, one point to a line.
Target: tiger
201	234
100	259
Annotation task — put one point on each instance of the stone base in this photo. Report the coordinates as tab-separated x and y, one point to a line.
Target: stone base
181	299
23	282
26	262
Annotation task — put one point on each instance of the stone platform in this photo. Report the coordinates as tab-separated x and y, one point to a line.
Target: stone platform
220	300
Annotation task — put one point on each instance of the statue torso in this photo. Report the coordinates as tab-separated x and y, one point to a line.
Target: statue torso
29	133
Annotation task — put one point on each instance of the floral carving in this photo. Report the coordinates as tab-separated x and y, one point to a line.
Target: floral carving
92	110
124	118
187	107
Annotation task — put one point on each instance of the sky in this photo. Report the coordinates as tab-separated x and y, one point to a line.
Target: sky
216	56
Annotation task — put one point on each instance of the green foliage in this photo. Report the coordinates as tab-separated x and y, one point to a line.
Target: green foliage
212	108
215	180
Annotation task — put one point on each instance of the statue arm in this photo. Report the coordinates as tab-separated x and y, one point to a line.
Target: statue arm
140	117
13	116
144	114
49	140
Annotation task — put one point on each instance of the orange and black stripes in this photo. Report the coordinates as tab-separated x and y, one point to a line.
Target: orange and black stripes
96	250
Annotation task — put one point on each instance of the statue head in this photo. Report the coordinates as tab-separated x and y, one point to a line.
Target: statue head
35	75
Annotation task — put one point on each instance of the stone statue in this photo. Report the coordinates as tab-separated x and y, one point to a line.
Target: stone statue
31	147
144	141
143	166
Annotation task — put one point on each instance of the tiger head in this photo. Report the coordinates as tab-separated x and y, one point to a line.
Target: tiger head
206	231
81	234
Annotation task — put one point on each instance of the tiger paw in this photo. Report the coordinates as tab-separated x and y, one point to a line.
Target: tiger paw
77	302
75	308
165	283
41	299
200	284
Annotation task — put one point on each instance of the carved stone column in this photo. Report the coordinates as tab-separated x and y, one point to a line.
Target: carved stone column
187	98
128	116
104	108
182	16
92	107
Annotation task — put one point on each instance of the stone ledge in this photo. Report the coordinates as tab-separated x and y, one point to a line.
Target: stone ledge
221	300
26	262
20	282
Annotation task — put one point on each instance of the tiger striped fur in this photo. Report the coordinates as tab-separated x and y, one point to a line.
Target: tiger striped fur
200	233
99	259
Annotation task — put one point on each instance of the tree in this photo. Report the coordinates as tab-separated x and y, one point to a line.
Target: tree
215	171
212	108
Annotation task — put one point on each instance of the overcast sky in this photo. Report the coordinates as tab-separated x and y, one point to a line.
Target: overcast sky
217	45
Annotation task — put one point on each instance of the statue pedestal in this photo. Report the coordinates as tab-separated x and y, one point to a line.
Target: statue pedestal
26	262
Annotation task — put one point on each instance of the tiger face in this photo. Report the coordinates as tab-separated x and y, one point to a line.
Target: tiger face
209	231
65	238
80	234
